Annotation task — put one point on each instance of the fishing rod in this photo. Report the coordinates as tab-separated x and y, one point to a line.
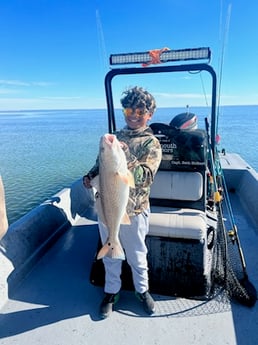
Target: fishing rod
249	297
233	234
222	57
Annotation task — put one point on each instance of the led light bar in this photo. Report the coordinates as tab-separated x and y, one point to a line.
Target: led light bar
165	56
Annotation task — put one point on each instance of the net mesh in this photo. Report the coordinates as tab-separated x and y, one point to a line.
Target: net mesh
228	271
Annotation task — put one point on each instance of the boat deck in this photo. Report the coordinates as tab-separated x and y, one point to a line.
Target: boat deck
57	304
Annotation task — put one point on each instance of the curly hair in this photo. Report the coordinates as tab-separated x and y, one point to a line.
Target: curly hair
137	97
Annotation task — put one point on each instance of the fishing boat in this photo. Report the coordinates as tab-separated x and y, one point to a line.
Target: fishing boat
202	242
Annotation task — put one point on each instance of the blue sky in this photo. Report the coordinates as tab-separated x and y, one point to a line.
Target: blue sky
54	54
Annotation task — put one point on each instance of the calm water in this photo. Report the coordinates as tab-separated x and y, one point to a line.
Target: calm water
45	151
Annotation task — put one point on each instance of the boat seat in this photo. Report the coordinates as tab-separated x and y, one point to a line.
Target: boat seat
177	185
177	223
179	189
180	222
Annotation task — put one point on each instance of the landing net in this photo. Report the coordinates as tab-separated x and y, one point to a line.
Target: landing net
228	271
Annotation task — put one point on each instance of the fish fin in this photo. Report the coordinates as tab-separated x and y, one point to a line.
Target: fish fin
111	250
128	178
125	219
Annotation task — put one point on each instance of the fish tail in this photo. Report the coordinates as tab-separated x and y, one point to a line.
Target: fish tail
111	250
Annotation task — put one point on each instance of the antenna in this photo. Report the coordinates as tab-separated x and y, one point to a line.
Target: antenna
223	55
101	40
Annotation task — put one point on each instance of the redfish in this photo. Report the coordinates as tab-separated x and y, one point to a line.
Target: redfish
113	184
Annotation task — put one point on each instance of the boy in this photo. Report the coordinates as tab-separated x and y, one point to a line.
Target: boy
143	154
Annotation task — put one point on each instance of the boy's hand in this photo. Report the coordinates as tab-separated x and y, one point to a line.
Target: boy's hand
124	146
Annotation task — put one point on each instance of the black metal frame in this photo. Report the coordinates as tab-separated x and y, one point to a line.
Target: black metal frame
161	69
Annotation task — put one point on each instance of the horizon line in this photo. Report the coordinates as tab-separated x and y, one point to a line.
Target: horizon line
103	108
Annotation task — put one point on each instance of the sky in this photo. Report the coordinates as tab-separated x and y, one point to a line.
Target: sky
54	53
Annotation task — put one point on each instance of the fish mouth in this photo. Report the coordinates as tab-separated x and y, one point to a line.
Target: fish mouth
109	138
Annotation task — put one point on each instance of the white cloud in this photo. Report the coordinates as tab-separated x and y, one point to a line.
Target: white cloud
20	83
60	97
179	96
40	103
13	83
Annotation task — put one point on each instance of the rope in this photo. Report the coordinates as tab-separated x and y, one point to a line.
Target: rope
155	56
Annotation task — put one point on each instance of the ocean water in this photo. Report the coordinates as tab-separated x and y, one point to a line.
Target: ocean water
44	151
